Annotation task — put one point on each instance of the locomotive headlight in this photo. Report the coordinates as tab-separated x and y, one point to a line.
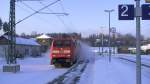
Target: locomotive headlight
67	51
55	51
68	55
54	55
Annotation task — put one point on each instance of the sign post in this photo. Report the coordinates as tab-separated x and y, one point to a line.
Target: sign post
138	43
128	12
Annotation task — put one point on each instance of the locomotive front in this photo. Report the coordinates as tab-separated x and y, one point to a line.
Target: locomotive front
62	52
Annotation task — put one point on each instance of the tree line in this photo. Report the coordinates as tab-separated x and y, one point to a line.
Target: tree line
4	26
117	40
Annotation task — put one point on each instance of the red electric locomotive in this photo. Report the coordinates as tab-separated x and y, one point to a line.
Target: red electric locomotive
63	51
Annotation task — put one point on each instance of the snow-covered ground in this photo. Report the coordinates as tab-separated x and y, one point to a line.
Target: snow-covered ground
33	71
98	70
115	72
88	75
145	59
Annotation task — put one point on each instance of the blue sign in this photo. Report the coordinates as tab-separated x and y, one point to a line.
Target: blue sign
146	12
126	12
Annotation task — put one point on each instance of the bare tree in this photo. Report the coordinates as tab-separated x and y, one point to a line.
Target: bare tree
6	27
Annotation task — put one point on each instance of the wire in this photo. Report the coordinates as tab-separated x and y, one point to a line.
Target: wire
41	19
62	21
37	11
28	6
22	8
63	8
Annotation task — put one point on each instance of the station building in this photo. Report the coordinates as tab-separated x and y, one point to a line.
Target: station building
24	47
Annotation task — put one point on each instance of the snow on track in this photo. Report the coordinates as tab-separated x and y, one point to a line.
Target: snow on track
75	73
72	75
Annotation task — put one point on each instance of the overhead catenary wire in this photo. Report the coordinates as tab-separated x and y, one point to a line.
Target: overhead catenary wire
61	20
22	8
58	16
63	9
38	11
41	19
41	12
28	6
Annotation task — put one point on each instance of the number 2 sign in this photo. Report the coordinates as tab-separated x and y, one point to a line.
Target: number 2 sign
126	12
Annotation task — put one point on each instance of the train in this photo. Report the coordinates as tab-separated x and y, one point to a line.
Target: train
64	51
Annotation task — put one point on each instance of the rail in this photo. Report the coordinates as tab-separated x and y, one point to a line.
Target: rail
72	76
145	65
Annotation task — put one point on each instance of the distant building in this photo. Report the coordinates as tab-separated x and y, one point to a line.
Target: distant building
24	47
145	49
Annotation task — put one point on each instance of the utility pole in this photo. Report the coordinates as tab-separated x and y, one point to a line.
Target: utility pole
109	43
11	58
138	43
12	65
12	34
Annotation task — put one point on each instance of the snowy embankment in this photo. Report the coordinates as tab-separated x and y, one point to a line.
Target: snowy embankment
33	71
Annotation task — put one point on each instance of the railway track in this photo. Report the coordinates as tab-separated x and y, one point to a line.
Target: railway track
72	76
145	65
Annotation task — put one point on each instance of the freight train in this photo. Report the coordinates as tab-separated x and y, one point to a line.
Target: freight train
64	51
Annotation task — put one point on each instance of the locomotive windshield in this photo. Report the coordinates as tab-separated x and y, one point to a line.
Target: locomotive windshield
62	43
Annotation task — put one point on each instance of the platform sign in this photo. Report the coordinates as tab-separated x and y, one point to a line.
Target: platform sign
126	12
146	12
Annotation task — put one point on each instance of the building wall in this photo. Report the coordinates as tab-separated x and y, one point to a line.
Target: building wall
21	51
3	50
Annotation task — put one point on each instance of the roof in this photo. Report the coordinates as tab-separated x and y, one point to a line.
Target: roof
24	41
43	36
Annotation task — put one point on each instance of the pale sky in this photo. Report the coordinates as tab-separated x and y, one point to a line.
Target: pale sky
85	16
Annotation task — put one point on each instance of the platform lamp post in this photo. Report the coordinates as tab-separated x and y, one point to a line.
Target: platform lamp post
109	43
113	31
102	41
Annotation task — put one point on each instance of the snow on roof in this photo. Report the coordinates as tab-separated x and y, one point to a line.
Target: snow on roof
24	41
1	32
44	36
